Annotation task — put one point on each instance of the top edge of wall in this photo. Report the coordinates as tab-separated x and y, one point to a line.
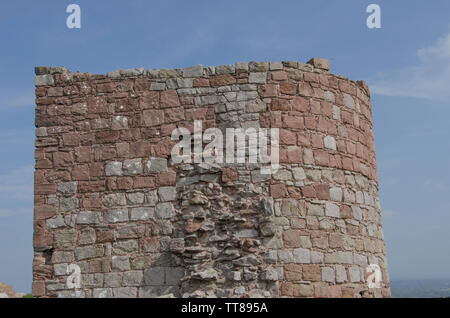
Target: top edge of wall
314	65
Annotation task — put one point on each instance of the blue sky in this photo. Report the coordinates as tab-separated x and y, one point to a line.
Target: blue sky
406	63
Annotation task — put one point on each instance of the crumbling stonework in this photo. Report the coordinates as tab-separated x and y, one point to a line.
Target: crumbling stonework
110	199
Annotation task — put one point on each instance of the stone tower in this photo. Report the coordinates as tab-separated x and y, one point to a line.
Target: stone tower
116	216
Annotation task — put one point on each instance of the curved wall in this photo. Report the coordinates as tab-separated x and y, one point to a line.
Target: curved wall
110	199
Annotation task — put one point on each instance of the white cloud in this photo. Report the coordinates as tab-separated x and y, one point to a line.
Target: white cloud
429	78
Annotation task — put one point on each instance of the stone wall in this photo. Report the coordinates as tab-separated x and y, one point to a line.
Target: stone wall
109	198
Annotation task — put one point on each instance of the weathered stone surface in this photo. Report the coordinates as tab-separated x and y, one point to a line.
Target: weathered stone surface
88	217
67	187
165	210
142	214
193	71
110	196
167	193
348	101
157	165
257	78
132	167
44	80
115	216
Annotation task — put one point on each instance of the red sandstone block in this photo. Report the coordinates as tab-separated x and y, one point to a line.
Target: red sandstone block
105	235
91	186
229	175
317	141
196	113
288	137
141	84
279	76
292	121
166	130
201	82
169	99
322	191
43	212
346	117
123	150
106	137
356	165
331	127
38	288
315	107
347	163
97	104
91	202
173	115
275	119
165	179
323	79
341	145
44	189
149	100
346	87
326	108
283	155
278	190
80	172
311	272
308	191
111	183
268	90
62	159
294	154
291	238
39	176
163	149
153	117
60	175
288	88
321	158
106	87
287	289
305	89
83	154
359	150
103	153
321	290
96	169
310	122
332	82
44	164
303	139
322	124
319	63
124	183
99	266
222	80
300	104
280	104
41	238
346	212
311	77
